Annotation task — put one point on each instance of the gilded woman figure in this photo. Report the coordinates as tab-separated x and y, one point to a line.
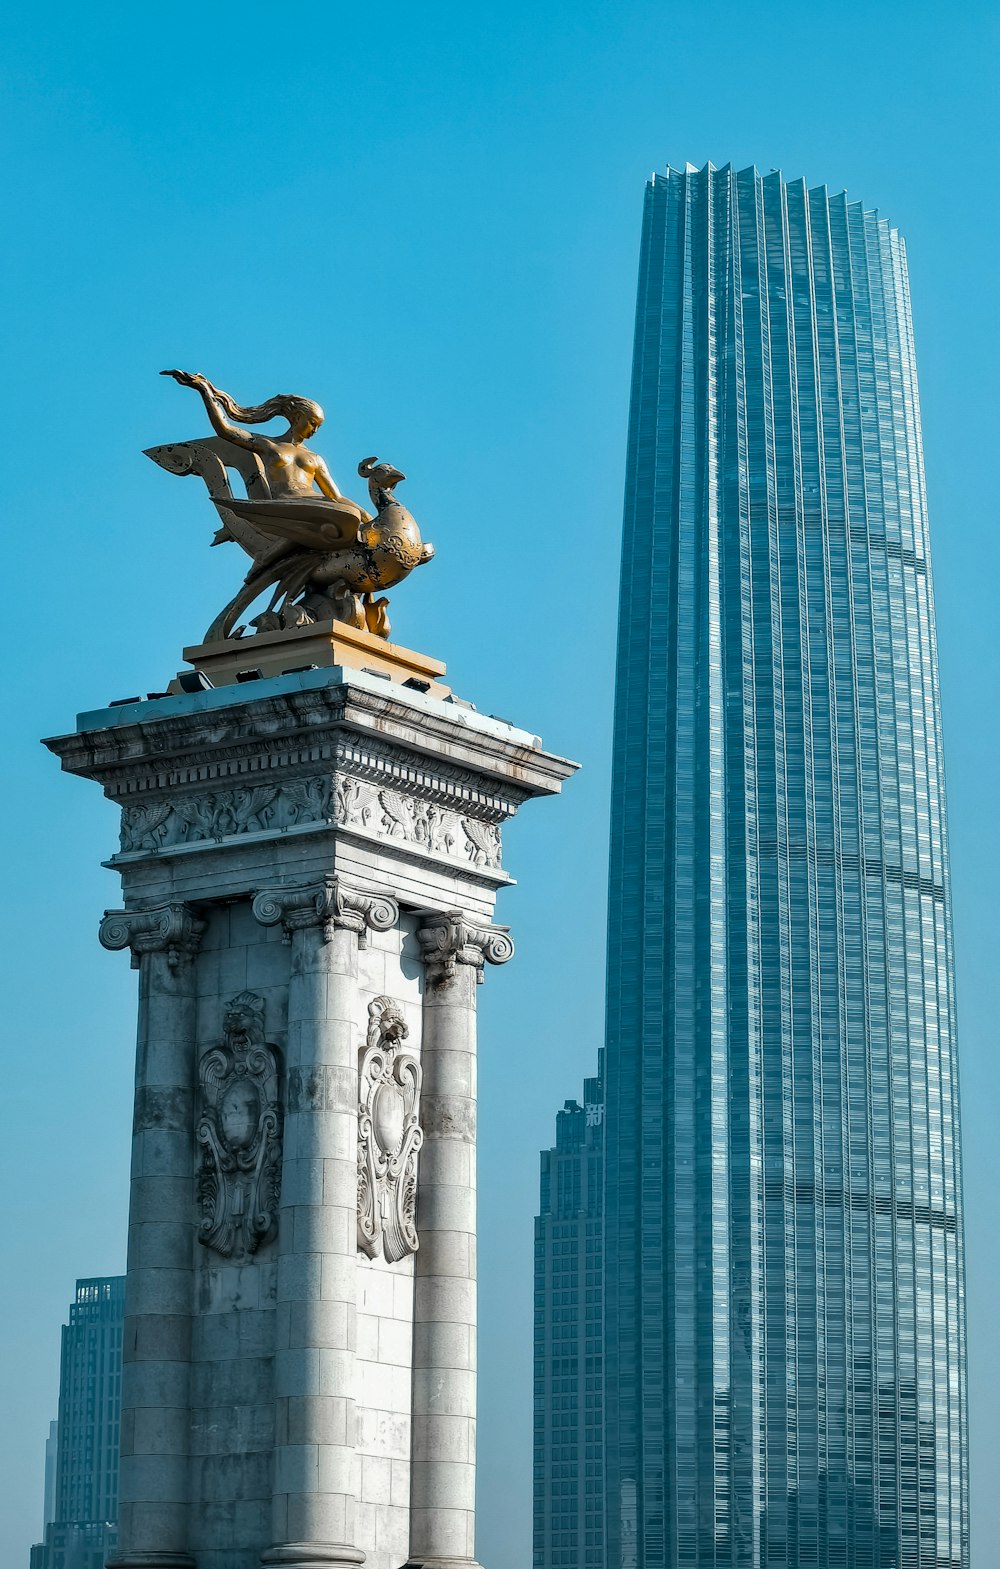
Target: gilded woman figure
323	555
290	467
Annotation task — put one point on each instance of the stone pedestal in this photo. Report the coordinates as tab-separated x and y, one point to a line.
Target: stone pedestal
320	644
310	865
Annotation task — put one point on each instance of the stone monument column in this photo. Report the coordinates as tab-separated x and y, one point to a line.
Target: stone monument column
300	1359
153	1483
443	1473
315	1331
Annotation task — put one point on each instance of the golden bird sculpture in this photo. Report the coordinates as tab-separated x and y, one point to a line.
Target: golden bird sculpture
322	556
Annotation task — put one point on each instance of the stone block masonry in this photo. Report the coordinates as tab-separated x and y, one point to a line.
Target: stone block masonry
310	866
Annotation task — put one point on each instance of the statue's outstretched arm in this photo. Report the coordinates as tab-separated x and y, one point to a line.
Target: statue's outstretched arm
326	483
220	424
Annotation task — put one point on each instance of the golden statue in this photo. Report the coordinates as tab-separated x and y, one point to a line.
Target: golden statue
324	557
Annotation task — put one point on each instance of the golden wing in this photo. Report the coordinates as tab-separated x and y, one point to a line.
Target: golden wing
311	521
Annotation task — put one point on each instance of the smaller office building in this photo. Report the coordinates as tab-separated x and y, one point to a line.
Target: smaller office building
82	1497
568	1420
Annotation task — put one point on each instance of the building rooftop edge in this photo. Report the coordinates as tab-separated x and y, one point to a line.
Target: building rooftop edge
672	171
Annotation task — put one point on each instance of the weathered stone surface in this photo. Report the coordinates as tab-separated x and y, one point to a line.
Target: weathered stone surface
324	849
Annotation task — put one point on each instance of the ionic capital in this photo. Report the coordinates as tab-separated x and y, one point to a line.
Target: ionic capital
172	929
327	905
447	941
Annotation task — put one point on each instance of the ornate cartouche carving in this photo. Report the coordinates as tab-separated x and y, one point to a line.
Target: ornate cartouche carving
322	555
169	928
389	1136
239	1134
327	904
448	940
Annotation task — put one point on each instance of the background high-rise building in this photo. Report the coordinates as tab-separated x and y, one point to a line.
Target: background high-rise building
82	1527
51	1460
785	1356
569	1408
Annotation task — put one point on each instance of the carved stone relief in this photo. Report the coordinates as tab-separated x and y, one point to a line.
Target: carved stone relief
173	929
420	822
344	800
256	809
483	848
326	905
239	1134
389	1136
448	940
355	803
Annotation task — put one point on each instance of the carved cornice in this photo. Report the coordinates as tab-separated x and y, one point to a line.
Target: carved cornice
448	940
332	720
271	763
328	904
173	929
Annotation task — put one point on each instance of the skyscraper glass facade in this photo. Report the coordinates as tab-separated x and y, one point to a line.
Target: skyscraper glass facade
90	1384
785	1340
569	1321
82	1525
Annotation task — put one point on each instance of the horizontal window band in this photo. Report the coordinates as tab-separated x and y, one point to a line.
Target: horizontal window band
777	1191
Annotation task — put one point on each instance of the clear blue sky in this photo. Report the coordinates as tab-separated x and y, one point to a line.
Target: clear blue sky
427	217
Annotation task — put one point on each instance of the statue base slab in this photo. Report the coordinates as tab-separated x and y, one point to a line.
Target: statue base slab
324	643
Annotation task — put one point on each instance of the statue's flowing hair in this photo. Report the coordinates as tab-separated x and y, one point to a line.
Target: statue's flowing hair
282	406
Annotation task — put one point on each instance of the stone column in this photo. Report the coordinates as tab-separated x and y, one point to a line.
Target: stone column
153	1484
315	1438
443	1467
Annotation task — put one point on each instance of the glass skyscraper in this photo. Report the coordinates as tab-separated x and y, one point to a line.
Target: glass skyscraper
785	1321
568	1491
84	1503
